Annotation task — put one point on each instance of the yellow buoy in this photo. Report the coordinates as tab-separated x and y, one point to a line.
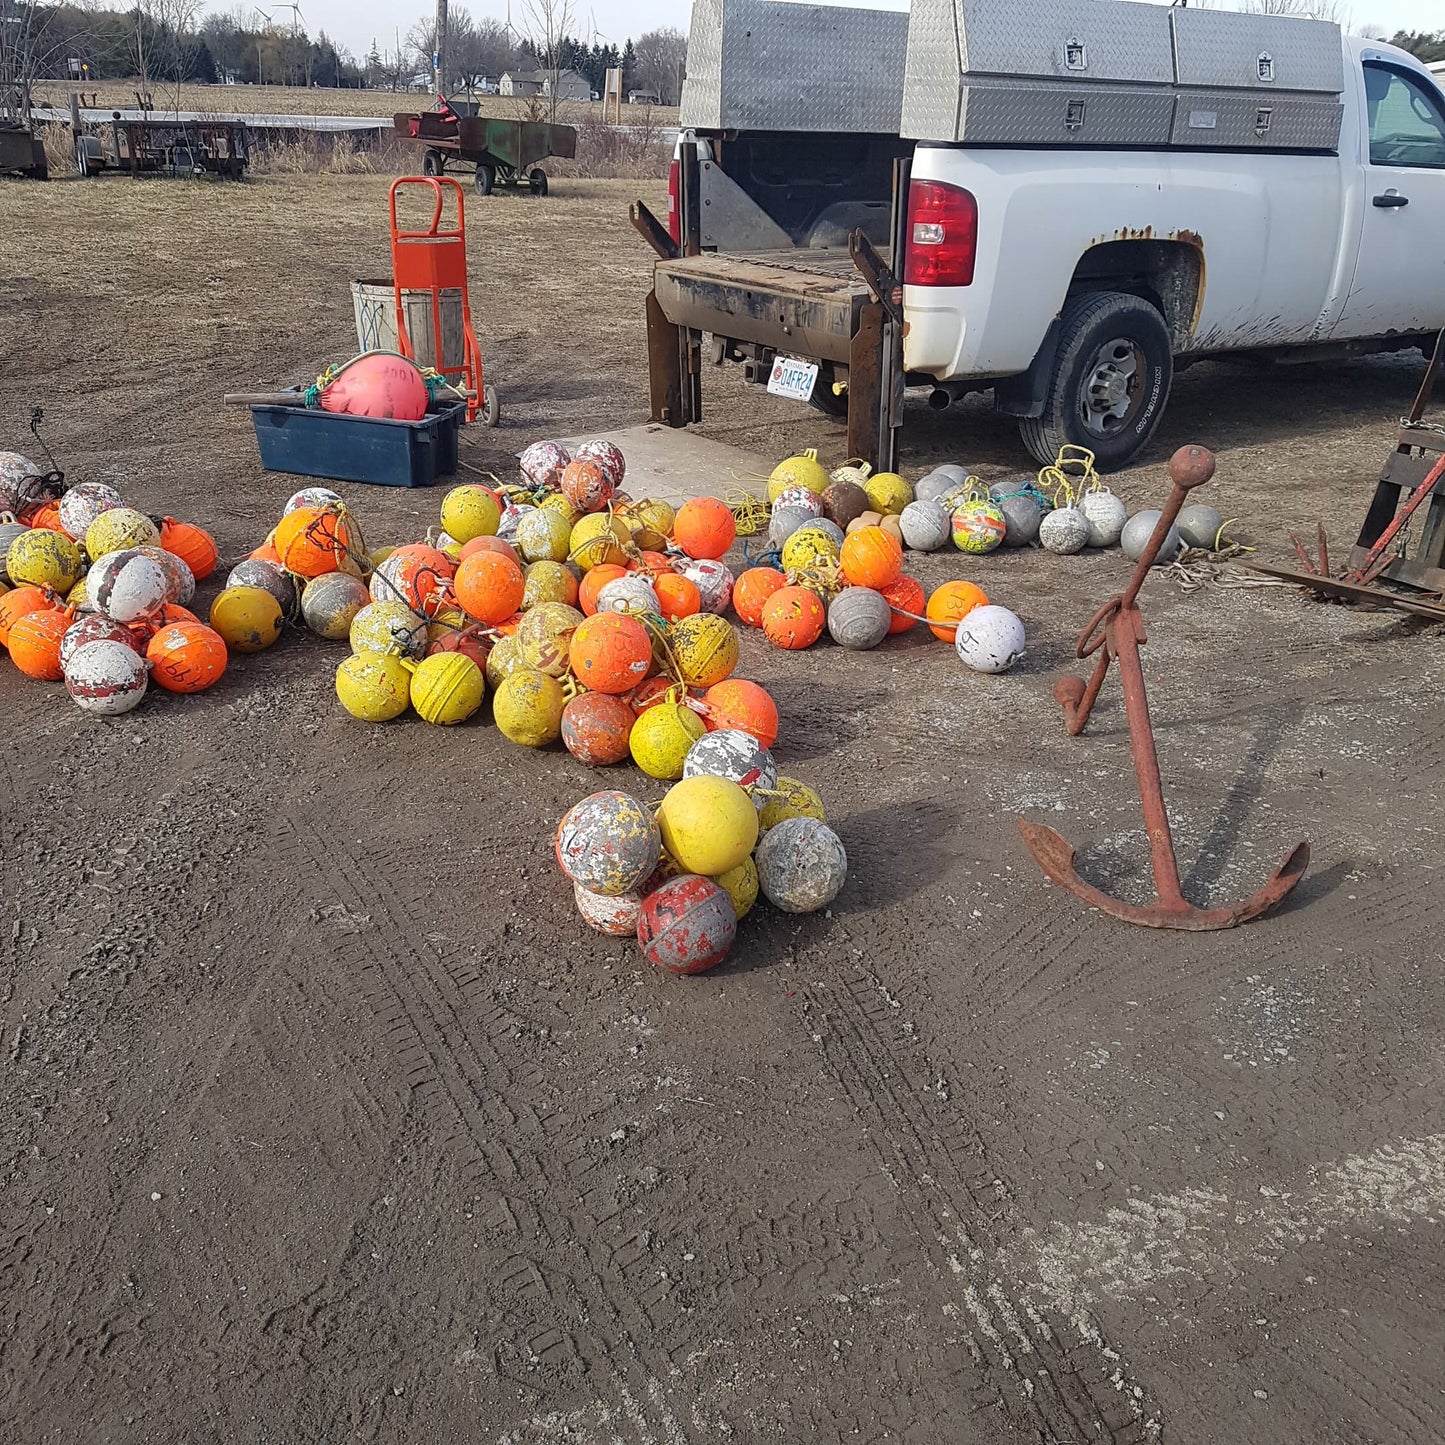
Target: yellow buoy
741	885
545	634
790	799
544	535
661	738
556	502
528	708
804	470
651	522
888	493
42	558
373	686
469	512
708	824
803	549
503	660
447	688
598	538
706	648
549	582
248	618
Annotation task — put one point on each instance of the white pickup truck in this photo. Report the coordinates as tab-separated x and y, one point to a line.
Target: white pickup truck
1071	281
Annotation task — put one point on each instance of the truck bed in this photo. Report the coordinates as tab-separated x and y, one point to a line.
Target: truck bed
800	300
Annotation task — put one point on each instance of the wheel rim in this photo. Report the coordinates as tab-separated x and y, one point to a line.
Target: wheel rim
1113	387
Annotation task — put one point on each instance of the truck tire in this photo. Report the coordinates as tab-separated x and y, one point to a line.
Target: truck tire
433	163
1110	380
486	179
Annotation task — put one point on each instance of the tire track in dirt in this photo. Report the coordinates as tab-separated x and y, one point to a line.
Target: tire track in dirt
1053	1375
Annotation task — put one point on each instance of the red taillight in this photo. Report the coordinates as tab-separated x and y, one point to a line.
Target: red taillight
942	235
674	210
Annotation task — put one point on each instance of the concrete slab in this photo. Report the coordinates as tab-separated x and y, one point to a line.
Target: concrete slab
667	462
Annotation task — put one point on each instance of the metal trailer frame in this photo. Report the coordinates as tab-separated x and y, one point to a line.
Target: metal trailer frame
501	152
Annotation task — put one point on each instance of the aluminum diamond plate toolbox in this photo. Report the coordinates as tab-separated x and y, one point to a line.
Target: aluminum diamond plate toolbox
1266	52
1058	113
1255	120
777	65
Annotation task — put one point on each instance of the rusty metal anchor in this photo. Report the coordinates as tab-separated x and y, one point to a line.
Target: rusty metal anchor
1116	633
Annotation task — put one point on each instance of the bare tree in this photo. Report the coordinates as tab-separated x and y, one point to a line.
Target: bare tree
549	22
661	63
1336	10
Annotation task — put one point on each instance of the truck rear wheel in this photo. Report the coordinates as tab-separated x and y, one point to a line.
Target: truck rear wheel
1110	380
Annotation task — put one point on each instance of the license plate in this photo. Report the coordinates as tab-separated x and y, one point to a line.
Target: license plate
793	378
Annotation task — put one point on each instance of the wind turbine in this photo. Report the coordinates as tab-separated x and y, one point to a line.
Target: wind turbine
297	22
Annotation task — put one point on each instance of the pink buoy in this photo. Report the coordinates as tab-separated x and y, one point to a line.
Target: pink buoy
379	384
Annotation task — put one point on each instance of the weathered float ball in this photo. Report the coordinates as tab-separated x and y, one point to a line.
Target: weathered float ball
39	557
733	754
859	618
9	531
790	798
586	485
117	528
269	577
527	708
82	504
949	604
631	593
469	549
713	580
741	886
489	587
373	686
738	703
799	471
794	618
687	925
704	527
15	471
502	661
616	917
313	540
610	652
512	514
887	492
802	865
905	596
96	627
752	590
990	639
978	526
447	688
609	843
312	497
469	512
709	824
329	604
1106	515
549	582
651	521
607	455
807	545
656	690
596	728
926	526
804	498
1021	515
1064	531
677	596
35	640
593	581
599	540
542	465
870	557
108	678
20	603
186	657
933	486
544	535
705	647
661	738
784	522
130	587
387	627
180	581
1137	532
1199	526
544	636
844	503
248	619
556	502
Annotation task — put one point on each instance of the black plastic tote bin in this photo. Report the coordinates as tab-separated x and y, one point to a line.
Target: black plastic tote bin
313	443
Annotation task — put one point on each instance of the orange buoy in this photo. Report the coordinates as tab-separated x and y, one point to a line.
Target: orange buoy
610	652
704	527
186	657
489	544
489	587
44	515
948	606
596	727
416	574
34	642
587	484
193	545
752	590
872	558
676	595
20	602
738	703
907	595
651	564
313	540
595	579
174	612
794	618
652	692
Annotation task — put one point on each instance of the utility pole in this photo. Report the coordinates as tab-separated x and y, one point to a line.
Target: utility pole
439	54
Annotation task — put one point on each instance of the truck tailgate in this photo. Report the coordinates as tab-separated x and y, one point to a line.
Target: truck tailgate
800	301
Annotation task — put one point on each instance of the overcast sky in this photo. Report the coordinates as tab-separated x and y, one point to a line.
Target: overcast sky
354	23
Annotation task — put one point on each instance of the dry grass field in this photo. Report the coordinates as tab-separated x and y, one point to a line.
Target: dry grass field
323	1117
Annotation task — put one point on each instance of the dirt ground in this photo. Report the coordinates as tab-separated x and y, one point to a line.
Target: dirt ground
324	1118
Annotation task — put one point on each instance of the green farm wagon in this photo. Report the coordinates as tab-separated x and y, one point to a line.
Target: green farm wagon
504	152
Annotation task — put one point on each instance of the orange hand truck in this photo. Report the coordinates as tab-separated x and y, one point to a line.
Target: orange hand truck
435	260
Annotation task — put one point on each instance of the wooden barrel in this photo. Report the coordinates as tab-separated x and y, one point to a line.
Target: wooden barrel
374	303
